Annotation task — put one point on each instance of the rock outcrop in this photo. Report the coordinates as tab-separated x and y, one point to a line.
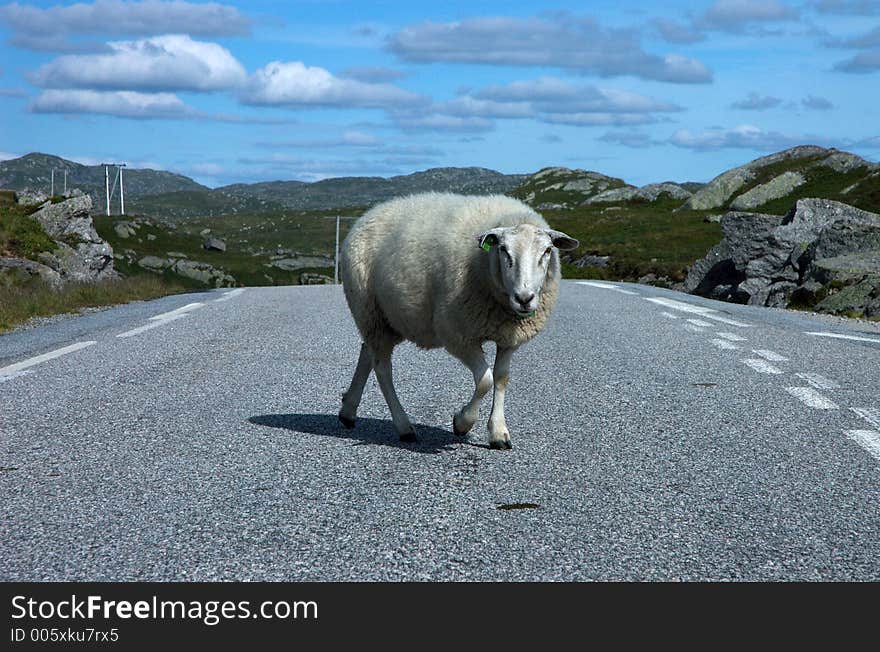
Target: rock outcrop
81	255
204	273
649	193
820	248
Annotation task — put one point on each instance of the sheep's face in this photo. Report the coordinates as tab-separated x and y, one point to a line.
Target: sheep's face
519	259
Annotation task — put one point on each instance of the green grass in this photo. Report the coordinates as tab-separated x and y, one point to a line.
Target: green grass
20	302
21	236
640	238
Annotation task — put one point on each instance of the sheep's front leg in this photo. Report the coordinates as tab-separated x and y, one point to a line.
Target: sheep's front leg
499	437
352	398
466	417
382	367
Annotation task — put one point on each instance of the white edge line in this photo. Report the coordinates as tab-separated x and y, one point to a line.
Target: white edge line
869	415
841	336
724	344
818	381
867	439
15	374
51	355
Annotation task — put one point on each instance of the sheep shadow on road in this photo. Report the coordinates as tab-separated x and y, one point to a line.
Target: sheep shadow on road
378	432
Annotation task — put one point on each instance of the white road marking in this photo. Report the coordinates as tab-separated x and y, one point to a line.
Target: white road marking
699	322
707	313
229	295
607	286
818	381
724	344
669	314
733	337
178	311
772	356
15	374
151	325
694	329
870	415
761	366
867	439
812	398
31	362
841	336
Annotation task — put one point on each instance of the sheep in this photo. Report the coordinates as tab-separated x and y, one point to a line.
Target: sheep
451	271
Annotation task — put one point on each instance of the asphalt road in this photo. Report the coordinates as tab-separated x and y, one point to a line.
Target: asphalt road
204	445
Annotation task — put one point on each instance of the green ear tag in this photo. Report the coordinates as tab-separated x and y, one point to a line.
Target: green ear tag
486	246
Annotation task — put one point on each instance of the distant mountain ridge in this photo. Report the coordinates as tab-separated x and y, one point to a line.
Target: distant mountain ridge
34	171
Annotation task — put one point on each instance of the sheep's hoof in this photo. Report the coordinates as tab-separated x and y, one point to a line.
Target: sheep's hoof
408	437
345	421
500	445
458	432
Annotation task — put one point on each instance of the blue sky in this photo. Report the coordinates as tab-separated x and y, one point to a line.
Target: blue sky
229	92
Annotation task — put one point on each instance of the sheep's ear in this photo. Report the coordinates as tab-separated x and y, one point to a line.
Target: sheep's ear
489	239
561	240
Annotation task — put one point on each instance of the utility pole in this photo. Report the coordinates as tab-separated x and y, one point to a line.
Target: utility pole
52	186
336	259
107	186
109	193
121	192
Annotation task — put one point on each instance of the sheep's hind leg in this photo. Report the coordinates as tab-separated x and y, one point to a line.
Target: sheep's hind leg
466	417
499	437
382	367
352	398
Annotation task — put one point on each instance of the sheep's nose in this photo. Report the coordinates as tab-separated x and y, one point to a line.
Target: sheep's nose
525	300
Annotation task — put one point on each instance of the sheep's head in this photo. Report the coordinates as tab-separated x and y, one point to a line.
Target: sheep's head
520	257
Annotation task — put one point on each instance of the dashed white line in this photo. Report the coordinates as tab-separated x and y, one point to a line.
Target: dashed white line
812	398
818	381
229	295
867	439
733	337
607	286
694	329
669	314
841	336
772	356
761	366
699	322
707	313
151	326
870	415
179	311
724	344
51	355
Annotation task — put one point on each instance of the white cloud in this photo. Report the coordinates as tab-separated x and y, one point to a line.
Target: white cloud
351	138
734	15
373	74
163	63
126	104
560	40
740	137
755	102
294	84
632	139
852	7
417	122
863	62
130	18
817	103
674	32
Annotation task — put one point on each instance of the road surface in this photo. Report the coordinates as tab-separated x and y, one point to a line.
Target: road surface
659	436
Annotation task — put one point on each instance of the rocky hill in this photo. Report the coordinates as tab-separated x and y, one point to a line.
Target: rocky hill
33	171
365	191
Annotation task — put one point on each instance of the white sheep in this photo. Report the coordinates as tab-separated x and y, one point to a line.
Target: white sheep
451	271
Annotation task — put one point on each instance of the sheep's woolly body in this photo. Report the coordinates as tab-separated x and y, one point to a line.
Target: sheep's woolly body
412	269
